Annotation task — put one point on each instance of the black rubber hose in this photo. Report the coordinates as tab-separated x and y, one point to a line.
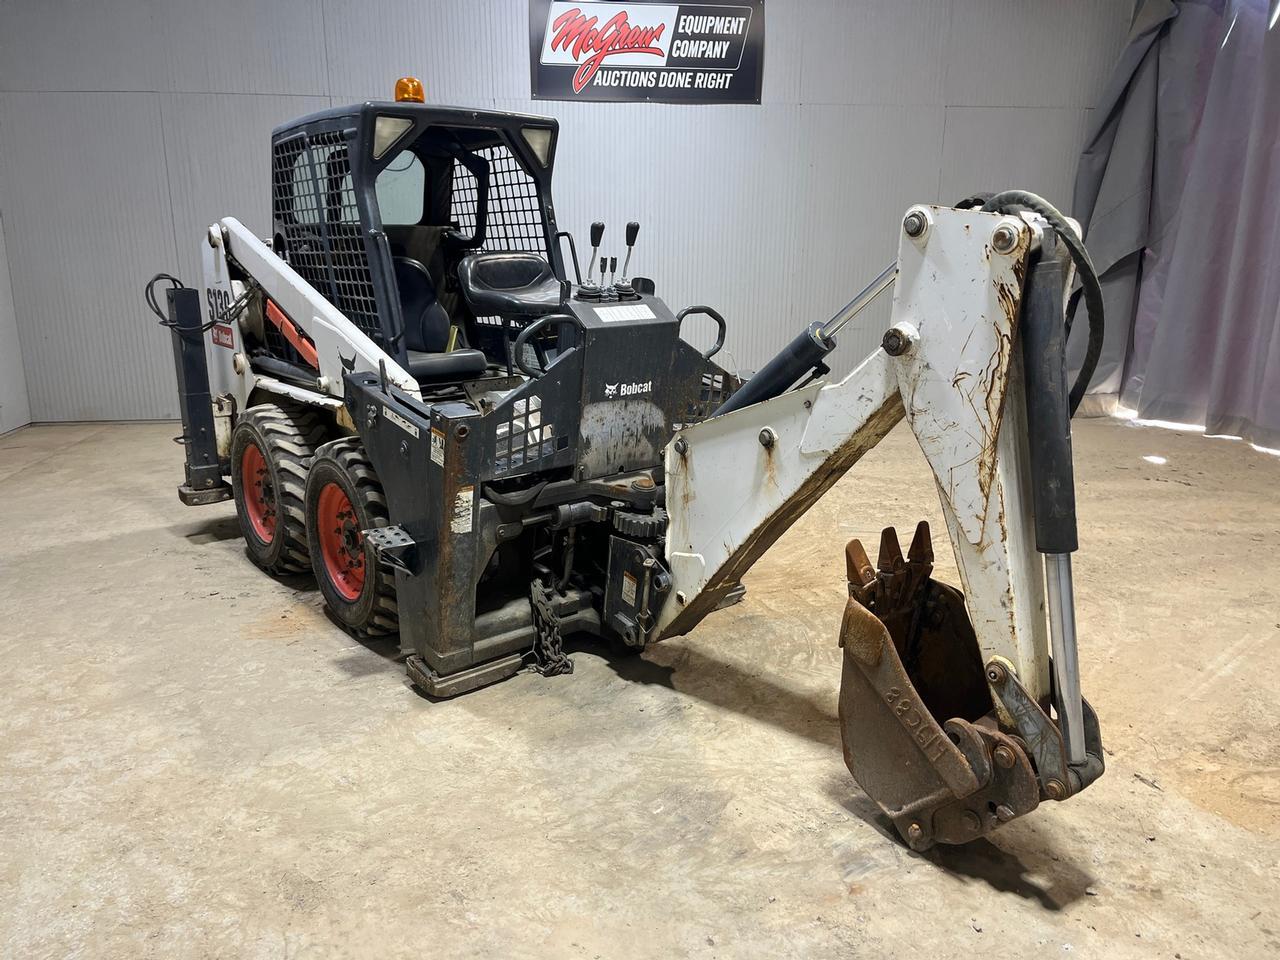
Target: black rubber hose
1009	201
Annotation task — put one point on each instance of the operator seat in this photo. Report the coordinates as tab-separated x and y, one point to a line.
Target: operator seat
426	330
510	285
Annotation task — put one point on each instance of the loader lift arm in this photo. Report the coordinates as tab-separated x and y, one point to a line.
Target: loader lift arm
973	290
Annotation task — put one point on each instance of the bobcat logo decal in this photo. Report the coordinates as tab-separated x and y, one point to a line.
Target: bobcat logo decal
610	389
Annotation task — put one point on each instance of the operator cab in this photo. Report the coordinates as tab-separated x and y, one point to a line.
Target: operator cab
431	228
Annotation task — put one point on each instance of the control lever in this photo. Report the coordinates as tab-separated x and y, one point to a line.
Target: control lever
604	262
613	269
633	231
597	234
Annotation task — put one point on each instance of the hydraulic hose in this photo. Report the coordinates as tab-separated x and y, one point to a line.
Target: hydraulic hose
1010	201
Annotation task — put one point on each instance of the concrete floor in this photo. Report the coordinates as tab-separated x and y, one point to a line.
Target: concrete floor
195	762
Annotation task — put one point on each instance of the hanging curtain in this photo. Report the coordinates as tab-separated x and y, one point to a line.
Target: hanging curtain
1177	188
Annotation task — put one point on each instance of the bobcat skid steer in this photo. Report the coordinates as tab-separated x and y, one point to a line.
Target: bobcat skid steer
407	393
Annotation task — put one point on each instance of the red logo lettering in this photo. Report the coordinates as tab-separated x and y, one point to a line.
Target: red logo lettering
577	33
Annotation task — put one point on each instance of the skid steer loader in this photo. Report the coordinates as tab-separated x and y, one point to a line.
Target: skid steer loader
406	392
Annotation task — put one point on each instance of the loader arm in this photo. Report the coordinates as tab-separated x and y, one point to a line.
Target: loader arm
340	346
737	482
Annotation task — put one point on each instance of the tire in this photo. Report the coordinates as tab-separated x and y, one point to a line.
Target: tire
271	452
343	498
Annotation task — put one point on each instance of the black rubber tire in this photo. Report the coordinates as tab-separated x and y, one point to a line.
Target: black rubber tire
287	438
344	462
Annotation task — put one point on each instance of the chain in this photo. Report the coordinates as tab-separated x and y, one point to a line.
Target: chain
548	653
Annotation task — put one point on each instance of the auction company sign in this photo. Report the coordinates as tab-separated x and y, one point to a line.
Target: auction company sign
642	50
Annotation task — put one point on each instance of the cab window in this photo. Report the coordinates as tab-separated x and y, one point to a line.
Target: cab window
400	189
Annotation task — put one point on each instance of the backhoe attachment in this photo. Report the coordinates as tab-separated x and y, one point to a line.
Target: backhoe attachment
960	709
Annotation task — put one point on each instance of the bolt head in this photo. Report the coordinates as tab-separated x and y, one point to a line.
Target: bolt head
915	832
894	343
1055	790
1003	756
996	673
914	224
1004	813
972	821
1005	239
681	446
767	438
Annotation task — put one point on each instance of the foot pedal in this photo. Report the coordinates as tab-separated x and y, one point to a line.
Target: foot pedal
736	594
199	497
393	547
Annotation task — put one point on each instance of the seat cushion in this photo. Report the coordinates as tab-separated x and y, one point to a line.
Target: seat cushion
440	367
509	284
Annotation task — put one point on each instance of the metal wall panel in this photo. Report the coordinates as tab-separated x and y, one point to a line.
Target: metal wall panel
74	45
454	48
872	51
1033	53
776	214
88	217
219	161
236	46
996	148
15	408
245	46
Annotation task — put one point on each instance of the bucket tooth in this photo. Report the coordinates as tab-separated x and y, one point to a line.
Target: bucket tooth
921	550
890	551
857	564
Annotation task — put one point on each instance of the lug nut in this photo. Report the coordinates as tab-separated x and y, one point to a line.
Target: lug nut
1004	239
914	224
1003	756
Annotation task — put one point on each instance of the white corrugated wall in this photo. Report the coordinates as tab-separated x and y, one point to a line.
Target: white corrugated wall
126	127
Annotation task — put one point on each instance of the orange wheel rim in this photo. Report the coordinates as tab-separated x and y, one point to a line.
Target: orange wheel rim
259	493
341	542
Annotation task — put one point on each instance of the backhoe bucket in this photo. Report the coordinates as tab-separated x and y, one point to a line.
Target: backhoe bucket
917	718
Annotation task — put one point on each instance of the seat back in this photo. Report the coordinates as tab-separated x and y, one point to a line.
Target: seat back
426	322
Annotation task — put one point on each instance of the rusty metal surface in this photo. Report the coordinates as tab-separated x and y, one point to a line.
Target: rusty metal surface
1043	739
915	713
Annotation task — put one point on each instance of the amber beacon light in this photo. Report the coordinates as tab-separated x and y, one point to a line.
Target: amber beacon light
409	89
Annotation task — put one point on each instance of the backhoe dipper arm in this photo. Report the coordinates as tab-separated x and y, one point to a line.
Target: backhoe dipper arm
737	482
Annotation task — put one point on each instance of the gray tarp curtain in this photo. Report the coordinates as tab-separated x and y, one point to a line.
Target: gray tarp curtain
1179	189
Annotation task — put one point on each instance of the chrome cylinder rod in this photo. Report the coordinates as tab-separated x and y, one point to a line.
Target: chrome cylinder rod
1066	661
861	301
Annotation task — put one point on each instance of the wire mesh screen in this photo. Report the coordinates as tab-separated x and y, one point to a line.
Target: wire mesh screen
514	220
514	216
315	202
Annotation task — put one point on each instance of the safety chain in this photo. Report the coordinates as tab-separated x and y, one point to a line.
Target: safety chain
548	652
